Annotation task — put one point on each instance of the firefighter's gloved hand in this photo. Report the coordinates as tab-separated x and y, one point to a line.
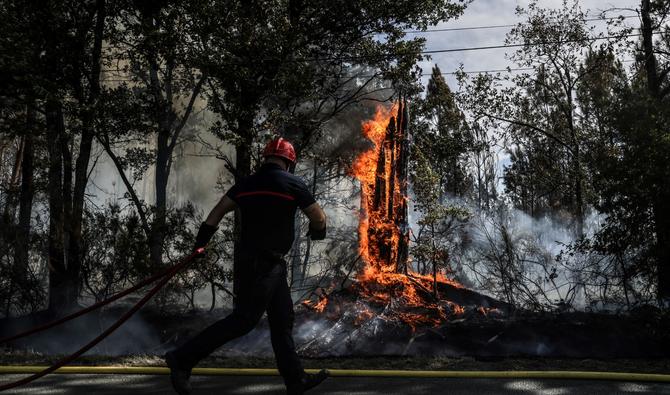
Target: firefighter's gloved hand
317	234
205	234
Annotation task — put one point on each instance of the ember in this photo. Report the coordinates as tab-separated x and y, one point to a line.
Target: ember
320	306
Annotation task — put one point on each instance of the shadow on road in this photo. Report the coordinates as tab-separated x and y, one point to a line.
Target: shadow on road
139	384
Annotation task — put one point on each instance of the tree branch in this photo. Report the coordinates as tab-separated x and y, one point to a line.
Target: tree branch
131	191
532	127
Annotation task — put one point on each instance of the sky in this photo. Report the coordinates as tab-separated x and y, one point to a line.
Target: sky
496	12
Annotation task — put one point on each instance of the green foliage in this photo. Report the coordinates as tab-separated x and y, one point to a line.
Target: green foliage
21	289
442	143
632	176
441	226
549	118
117	255
442	134
273	63
115	251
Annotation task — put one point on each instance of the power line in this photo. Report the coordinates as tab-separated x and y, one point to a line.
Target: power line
370	76
464	49
505	70
527	44
454	29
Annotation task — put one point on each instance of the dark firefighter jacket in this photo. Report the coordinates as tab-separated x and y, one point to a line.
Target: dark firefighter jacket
268	201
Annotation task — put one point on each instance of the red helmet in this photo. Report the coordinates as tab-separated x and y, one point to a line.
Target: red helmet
281	148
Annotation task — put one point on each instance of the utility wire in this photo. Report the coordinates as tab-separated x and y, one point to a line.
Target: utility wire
464	49
449	50
505	70
370	76
483	71
454	29
528	44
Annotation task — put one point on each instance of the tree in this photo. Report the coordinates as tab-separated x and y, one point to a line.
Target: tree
443	135
151	40
442	143
633	174
57	73
19	121
539	113
438	238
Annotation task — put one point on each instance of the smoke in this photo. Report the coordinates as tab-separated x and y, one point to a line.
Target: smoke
135	336
197	175
533	245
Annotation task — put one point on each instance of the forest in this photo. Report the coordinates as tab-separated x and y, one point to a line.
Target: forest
544	188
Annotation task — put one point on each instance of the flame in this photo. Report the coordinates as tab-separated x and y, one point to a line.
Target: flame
387	288
319	306
364	170
485	311
379	280
363	316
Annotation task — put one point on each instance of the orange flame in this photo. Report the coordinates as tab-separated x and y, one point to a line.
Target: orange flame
379	280
364	170
320	306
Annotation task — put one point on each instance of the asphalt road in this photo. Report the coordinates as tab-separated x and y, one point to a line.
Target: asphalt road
142	384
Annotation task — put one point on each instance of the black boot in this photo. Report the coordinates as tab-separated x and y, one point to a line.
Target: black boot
307	382
178	375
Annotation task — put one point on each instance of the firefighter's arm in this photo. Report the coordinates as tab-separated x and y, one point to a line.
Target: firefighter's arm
209	227
317	221
222	208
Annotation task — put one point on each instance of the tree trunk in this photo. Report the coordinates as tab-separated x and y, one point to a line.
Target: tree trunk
9	209
579	191
162	177
75	245
379	202
72	271
402	216
661	205
22	241
59	282
242	169
75	248
149	14
308	246
648	48
392	136
388	230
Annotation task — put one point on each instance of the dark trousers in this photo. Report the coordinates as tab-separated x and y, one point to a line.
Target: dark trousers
263	288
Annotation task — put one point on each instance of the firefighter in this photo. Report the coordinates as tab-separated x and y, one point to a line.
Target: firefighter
267	202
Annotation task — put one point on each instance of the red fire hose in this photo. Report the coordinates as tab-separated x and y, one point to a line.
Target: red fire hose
166	276
93	307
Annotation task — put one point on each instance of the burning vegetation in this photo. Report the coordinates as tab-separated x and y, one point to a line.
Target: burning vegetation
386	287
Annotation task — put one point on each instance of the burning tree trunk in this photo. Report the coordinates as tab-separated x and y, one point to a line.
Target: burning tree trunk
387	289
402	220
384	231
